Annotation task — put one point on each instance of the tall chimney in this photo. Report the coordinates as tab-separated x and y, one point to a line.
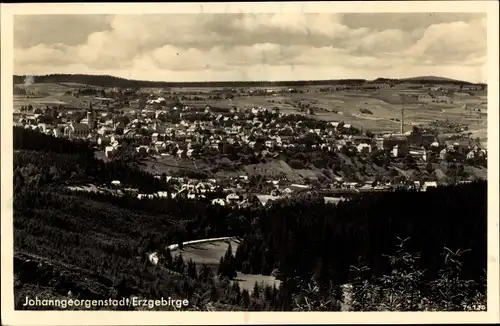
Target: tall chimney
402	120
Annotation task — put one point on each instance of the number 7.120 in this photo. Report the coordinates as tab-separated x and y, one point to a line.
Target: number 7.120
478	307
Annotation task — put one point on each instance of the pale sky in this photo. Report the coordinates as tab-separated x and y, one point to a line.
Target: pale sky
226	47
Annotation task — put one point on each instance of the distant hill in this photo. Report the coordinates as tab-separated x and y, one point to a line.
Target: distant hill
423	80
112	81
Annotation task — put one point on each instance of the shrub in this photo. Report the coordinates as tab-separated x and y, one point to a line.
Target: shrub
405	288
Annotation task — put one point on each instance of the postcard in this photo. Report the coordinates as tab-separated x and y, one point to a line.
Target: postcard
247	163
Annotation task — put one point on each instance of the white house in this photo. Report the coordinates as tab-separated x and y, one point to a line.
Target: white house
232	198
56	132
364	148
429	184
109	151
218	201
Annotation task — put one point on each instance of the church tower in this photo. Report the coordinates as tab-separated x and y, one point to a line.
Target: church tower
91	117
402	128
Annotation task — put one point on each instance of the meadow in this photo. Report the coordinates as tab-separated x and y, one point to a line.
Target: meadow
210	253
50	94
385	106
271	169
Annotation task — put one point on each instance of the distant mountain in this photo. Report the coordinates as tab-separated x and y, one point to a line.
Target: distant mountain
112	81
423	80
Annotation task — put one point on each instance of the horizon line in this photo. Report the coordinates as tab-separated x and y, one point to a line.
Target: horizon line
442	78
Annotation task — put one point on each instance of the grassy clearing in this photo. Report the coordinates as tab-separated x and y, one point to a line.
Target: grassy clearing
209	253
311	174
66	100
273	169
51	88
164	164
170	164
479	172
386	105
51	94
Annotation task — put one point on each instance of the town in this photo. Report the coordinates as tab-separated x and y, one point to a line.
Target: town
257	152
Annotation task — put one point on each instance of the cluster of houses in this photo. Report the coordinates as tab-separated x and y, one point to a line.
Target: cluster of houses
236	195
188	132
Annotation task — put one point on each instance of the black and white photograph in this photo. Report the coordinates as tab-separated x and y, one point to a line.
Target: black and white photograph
246	160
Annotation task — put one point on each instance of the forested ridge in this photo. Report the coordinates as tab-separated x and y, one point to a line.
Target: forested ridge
112	81
96	245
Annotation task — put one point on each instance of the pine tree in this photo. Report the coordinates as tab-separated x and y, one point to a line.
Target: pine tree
265	269
179	264
227	266
222	266
229	251
256	290
168	258
268	294
205	273
214	294
238	257
245	267
245	298
235	288
191	269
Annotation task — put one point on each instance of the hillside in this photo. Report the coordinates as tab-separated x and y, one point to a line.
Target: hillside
95	246
424	80
111	81
96	249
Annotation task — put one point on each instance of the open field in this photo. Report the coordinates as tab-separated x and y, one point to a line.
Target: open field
50	88
482	134
51	94
477	171
209	253
169	164
309	173
271	169
345	106
36	101
54	88
65	100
